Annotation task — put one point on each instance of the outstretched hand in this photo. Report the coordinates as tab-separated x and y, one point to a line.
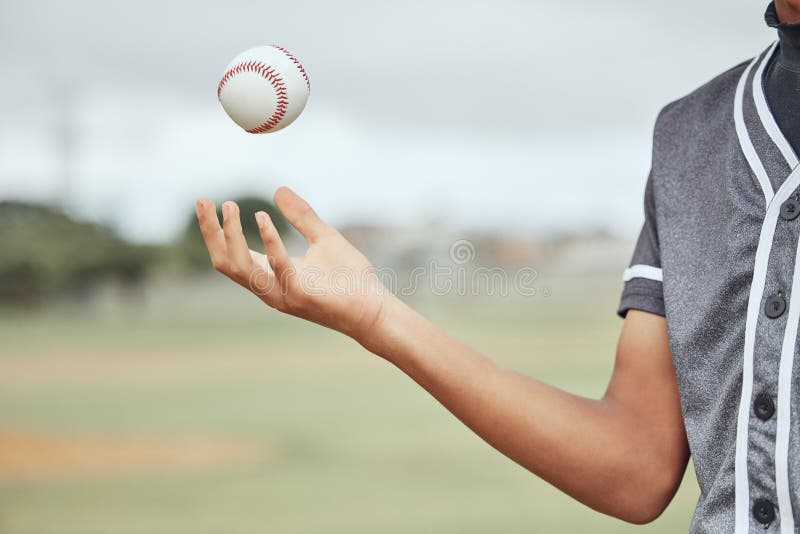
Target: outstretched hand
333	284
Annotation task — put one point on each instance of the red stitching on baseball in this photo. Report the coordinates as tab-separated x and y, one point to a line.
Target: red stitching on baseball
270	74
296	62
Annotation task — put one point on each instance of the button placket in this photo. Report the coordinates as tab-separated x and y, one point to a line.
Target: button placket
764	510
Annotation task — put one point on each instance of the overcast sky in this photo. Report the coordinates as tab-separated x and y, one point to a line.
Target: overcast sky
525	116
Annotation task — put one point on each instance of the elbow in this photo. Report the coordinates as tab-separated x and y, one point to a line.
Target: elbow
643	501
644	514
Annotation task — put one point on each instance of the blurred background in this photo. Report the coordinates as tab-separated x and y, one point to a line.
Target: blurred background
141	393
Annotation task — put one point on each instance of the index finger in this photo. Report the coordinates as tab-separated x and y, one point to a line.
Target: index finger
298	212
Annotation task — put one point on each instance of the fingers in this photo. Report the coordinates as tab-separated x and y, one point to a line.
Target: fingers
239	261
276	251
212	232
299	214
267	276
226	244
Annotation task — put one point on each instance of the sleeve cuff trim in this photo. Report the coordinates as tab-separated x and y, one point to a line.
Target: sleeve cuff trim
643	271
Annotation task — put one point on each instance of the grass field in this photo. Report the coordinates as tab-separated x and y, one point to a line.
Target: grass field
197	411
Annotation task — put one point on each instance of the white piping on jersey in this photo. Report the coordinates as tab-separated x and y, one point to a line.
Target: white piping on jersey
784	411
774	201
765	114
753	311
784	408
643	271
744	138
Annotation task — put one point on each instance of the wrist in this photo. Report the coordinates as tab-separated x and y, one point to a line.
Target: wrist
385	335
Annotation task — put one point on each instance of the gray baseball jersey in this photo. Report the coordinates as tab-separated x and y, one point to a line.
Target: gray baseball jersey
718	257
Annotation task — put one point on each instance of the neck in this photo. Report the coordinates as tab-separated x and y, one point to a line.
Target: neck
788	12
789	36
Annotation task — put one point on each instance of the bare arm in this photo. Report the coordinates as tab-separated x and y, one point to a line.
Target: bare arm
623	455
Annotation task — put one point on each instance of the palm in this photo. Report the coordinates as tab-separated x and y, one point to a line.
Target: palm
341	281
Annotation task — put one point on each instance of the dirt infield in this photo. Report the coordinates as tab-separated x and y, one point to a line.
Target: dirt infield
37	457
157	365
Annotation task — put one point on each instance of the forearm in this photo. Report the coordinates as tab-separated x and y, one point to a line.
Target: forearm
595	450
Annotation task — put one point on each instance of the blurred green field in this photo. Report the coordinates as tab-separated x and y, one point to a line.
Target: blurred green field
298	429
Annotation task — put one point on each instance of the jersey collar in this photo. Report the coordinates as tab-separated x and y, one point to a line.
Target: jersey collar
768	153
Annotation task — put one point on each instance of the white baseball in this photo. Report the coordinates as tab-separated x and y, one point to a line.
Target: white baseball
264	89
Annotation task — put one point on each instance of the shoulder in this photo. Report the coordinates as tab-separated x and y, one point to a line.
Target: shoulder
702	111
688	133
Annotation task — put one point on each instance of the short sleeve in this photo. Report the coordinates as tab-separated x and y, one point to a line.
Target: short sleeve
643	288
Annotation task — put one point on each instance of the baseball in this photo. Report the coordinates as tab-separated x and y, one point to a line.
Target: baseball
264	89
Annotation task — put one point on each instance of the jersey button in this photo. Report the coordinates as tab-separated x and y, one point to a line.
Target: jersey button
764	511
775	306
790	209
764	407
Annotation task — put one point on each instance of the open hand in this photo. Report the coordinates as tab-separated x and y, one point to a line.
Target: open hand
333	284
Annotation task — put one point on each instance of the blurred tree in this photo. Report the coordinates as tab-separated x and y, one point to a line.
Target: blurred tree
45	252
191	249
